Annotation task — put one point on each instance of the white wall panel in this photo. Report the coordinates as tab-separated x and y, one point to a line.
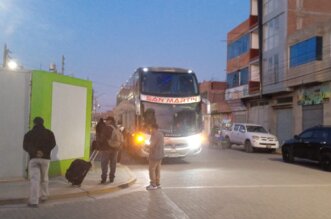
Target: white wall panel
14	120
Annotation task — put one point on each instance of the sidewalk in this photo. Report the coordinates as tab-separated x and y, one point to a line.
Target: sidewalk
16	192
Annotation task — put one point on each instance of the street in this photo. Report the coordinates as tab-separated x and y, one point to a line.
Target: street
214	184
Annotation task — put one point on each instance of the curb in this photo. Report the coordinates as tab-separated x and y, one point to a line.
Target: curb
74	195
82	192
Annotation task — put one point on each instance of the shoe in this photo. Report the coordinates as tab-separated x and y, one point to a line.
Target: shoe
111	180
158	186
151	187
32	205
43	199
103	182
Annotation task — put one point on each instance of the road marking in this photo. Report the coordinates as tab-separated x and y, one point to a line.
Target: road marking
249	186
176	211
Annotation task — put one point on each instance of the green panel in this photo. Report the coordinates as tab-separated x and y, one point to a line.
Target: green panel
41	105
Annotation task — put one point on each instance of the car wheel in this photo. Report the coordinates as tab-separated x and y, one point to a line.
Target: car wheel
227	143
287	154
248	147
326	162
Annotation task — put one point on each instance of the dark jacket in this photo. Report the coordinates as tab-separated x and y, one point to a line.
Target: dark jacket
156	151
39	139
102	136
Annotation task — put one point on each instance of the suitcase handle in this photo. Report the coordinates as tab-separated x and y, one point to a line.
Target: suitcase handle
94	155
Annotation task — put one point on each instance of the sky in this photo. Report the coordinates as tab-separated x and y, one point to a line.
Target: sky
106	40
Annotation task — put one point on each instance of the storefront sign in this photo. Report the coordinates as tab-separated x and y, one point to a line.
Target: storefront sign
170	100
314	95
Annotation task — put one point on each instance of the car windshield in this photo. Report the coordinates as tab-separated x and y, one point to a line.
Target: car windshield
259	129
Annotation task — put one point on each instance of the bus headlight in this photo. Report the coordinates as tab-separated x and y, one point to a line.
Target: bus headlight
195	142
139	139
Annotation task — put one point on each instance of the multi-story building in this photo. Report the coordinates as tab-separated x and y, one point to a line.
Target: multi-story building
309	75
243	70
290	62
281	19
220	112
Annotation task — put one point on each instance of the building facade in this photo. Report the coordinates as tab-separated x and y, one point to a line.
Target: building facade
220	112
285	89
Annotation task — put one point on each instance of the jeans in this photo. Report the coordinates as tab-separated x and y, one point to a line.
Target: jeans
38	174
108	157
154	172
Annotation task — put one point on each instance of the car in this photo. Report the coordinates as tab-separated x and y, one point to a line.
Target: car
252	136
313	144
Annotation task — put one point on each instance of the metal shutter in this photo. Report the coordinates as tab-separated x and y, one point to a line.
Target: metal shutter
312	115
284	125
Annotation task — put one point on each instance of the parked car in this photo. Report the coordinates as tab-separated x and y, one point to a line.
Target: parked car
252	136
313	144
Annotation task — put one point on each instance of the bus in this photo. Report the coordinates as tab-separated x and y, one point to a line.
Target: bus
171	98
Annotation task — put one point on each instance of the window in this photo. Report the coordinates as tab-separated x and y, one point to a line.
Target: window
238	78
244	76
269	6
306	51
307	134
238	47
272	34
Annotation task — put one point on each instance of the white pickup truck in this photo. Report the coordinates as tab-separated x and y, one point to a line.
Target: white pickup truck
252	136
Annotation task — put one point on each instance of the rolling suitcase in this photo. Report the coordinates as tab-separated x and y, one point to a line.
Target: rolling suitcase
78	169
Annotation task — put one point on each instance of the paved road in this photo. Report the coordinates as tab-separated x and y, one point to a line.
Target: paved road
216	184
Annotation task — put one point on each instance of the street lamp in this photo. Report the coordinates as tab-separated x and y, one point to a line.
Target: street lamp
12	65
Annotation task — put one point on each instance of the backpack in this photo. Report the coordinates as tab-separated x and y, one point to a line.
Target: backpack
116	140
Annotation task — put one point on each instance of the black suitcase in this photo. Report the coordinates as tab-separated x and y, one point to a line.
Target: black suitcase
78	169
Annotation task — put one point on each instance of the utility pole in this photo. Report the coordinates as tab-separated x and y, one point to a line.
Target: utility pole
5	56
62	70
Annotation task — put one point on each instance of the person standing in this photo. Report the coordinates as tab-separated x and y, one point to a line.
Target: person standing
39	143
156	154
108	154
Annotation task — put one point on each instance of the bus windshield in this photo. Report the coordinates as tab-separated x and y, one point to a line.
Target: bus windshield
169	84
176	120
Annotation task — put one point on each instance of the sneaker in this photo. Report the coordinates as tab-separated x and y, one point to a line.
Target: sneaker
158	186
32	205
151	187
43	199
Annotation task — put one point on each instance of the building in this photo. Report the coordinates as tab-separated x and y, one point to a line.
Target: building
243	69
220	112
282	19
278	64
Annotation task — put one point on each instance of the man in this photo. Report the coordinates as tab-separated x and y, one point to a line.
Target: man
156	153
39	143
108	154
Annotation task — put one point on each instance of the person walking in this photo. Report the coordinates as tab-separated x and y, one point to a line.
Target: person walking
39	143
108	154
156	154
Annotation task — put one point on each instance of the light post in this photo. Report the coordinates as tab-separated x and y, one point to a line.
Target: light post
8	62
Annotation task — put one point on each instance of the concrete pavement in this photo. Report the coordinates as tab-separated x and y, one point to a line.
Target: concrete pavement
16	192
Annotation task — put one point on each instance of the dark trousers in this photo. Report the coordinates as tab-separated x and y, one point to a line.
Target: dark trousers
108	157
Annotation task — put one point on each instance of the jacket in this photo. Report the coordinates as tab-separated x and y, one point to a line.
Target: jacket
39	139
156	151
102	137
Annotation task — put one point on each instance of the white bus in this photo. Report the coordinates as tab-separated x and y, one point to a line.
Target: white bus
171	97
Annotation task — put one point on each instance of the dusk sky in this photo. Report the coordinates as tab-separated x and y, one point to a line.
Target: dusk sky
106	40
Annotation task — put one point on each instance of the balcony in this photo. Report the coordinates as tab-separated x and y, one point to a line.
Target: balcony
247	90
